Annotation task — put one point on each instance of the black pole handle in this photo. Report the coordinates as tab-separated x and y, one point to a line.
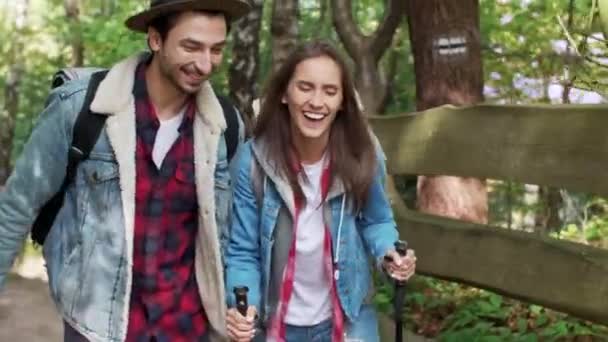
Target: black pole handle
240	292
401	248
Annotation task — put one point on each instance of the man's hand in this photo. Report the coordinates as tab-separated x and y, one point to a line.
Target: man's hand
240	328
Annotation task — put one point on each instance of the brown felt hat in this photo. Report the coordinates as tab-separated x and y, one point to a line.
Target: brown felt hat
233	9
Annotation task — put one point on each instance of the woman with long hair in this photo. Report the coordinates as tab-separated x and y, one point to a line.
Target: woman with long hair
309	208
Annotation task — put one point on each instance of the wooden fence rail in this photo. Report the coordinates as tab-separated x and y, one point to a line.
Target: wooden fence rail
564	146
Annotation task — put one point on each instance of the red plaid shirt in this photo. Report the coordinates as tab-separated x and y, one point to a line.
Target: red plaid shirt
165	302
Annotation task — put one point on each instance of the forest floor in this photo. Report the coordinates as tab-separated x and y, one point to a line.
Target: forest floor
27	312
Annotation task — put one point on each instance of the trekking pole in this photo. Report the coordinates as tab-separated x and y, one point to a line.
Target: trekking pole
398	301
240	292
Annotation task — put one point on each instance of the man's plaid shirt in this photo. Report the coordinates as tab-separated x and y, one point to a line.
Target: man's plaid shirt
165	302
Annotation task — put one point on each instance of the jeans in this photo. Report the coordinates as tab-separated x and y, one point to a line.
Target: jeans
315	333
71	335
363	329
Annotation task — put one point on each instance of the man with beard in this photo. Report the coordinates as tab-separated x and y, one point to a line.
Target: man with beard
134	252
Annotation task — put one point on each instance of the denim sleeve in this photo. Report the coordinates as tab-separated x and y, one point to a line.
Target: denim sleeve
233	167
376	222
36	177
243	262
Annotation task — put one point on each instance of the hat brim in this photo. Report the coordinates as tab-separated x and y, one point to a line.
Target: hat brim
233	9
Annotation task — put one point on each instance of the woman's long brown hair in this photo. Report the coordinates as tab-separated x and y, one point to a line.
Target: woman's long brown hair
351	150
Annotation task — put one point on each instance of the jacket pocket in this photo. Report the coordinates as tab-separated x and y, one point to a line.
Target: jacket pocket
97	188
99	168
98	179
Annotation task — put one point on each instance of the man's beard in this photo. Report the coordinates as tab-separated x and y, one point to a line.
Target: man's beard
172	77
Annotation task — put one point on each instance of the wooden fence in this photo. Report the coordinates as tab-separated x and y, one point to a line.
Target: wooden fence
558	145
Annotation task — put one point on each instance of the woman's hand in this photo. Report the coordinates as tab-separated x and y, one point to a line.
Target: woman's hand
400	267
239	327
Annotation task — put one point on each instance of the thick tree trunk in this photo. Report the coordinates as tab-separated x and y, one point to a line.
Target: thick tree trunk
244	68
445	40
284	29
11	93
367	51
72	12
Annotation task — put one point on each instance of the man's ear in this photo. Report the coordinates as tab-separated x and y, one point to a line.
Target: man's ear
155	41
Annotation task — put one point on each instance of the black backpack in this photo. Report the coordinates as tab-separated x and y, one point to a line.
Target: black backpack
86	131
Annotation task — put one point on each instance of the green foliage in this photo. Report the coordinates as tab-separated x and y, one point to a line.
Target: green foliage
46	42
593	227
368	15
520	39
452	312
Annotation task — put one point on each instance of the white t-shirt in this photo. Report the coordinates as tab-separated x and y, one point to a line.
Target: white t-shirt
165	137
310	302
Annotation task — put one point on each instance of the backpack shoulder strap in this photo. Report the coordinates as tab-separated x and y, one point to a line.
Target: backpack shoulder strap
87	128
86	131
231	135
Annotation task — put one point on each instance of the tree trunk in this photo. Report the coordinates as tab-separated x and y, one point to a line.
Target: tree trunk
446	44
11	93
392	69
367	51
243	74
108	7
72	12
549	203
325	26
284	30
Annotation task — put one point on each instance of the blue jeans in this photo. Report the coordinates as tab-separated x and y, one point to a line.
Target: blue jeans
315	333
71	335
363	329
